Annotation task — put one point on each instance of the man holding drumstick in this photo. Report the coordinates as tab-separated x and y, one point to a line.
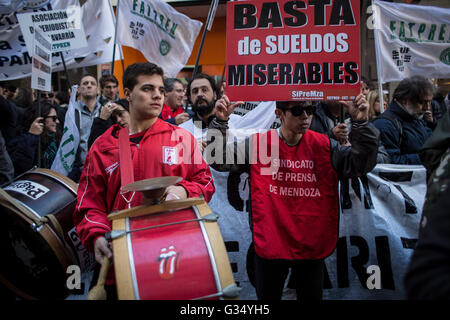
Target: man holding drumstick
151	140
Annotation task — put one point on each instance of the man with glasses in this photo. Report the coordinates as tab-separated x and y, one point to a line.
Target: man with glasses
173	111
294	204
402	130
47	96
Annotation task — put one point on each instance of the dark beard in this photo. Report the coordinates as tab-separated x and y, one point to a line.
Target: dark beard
203	110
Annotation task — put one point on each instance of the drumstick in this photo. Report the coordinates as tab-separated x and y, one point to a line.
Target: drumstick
98	292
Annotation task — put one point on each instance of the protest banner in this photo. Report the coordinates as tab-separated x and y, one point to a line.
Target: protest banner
163	35
411	40
64	27
67	150
41	72
97	19
293	50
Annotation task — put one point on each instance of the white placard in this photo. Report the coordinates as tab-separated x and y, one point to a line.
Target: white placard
63	26
41	68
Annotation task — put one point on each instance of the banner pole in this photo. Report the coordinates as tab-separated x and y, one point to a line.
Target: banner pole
377	53
115	38
39	138
208	25
66	71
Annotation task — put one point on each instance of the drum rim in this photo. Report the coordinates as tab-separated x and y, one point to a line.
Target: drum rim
68	183
126	282
48	235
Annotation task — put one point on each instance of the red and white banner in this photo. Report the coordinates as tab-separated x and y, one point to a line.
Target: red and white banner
293	50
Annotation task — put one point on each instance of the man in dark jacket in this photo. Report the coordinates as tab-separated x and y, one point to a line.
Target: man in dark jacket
401	131
294	175
428	276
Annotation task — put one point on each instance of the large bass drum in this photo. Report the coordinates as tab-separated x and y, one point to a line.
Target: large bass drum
171	255
37	235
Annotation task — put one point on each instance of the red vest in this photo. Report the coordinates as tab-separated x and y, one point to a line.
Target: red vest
295	211
167	113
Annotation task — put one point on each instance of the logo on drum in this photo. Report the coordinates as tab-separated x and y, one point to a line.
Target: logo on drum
170	155
168	262
30	189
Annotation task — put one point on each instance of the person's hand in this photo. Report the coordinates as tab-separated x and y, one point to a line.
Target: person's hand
358	109
428	116
341	132
175	193
37	127
201	144
101	249
107	110
224	108
182	117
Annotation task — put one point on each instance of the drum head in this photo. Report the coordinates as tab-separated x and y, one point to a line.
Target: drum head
28	262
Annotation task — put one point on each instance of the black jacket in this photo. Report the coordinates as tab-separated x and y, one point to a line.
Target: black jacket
402	147
428	275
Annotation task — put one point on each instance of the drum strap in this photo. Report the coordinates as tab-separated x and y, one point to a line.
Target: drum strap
126	165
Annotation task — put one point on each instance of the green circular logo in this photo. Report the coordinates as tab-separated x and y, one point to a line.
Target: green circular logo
445	56
164	47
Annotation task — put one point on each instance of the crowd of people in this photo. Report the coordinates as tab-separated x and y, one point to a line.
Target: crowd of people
343	139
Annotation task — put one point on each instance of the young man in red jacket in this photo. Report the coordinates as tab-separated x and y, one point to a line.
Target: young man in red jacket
150	137
294	204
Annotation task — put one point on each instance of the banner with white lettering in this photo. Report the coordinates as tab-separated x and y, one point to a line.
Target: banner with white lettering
411	40
97	20
162	34
293	50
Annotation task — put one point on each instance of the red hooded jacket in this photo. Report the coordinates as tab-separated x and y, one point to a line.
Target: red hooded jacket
164	150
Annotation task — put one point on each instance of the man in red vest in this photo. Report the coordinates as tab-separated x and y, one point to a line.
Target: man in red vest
294	204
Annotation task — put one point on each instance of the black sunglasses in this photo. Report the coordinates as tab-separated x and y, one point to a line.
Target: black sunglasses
47	95
54	118
297	111
424	102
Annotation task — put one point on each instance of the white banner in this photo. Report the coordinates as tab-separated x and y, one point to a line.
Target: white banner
67	150
411	40
41	71
378	229
162	34
98	22
63	26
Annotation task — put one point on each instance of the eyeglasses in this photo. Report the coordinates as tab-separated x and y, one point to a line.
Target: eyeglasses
47	95
424	102
54	118
297	111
